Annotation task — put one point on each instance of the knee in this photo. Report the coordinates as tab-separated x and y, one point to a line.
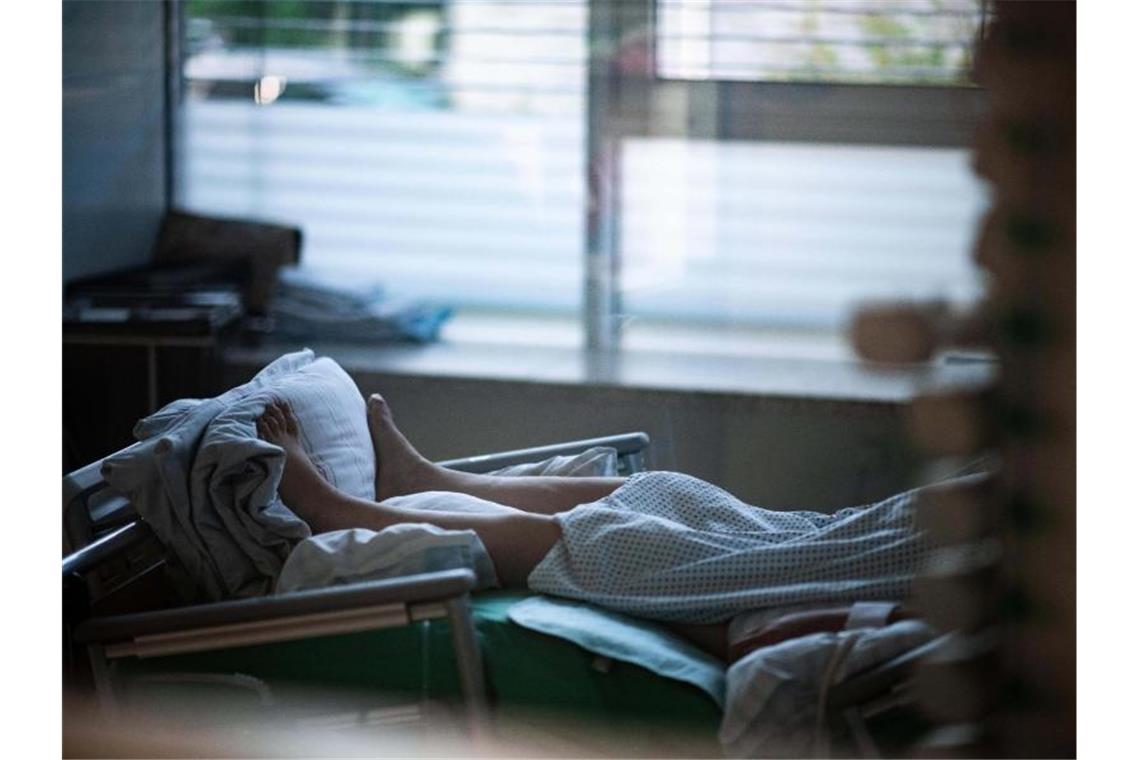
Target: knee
531	540
545	527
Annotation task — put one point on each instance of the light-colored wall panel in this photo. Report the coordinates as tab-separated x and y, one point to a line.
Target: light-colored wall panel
114	134
773	452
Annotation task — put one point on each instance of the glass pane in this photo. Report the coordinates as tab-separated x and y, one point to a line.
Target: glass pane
435	146
856	41
789	235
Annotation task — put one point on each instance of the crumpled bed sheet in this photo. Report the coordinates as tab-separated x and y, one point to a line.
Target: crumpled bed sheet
773	692
359	554
209	491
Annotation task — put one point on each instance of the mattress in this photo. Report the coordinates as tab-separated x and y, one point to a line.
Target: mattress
526	671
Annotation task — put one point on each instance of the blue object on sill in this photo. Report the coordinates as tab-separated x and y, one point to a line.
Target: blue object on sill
313	306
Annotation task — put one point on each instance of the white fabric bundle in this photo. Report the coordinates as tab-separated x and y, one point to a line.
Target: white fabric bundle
207	485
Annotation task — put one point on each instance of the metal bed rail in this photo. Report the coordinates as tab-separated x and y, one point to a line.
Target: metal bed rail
304	614
631	448
90	508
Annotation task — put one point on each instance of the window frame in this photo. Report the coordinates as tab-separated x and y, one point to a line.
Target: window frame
624	104
633	104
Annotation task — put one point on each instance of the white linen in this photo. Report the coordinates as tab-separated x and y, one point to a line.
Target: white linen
207	484
334	429
219	515
358	554
333	422
347	556
598	462
447	501
773	693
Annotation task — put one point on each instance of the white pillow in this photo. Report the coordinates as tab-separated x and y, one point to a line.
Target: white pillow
333	419
172	415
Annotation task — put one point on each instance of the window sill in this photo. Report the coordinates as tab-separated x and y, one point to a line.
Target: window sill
499	352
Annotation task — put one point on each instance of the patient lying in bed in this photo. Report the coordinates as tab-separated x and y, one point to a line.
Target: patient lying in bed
658	545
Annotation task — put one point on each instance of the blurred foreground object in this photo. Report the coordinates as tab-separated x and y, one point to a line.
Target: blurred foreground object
313	723
1002	573
313	727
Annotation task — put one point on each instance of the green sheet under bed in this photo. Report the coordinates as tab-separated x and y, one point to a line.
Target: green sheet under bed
524	669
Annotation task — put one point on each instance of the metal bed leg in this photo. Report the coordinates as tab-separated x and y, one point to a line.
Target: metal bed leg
104	688
469	662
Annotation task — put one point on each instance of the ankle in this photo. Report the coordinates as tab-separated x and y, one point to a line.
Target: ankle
429	476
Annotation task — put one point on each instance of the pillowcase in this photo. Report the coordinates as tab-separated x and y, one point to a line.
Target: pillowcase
174	414
332	416
334	425
333	422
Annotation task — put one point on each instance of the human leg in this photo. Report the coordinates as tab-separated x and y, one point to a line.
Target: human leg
712	637
401	469
516	540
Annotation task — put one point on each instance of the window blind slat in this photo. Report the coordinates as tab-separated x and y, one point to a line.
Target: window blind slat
759	231
855	40
441	147
437	147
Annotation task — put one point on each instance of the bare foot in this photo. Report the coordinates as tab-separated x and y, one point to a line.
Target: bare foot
400	469
301	482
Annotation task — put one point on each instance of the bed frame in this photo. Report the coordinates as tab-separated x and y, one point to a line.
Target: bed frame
119	600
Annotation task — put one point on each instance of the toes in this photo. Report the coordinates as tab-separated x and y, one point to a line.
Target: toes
374	402
267	428
377	408
273	412
288	419
271	423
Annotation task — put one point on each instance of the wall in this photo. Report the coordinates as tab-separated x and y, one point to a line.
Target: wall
774	452
114	133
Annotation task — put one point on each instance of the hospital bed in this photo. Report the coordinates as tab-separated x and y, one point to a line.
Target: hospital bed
422	639
126	623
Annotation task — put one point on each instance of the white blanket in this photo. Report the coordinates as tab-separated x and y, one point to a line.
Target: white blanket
207	486
358	554
210	493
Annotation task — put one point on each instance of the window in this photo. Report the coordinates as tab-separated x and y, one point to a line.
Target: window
851	41
717	166
437	147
